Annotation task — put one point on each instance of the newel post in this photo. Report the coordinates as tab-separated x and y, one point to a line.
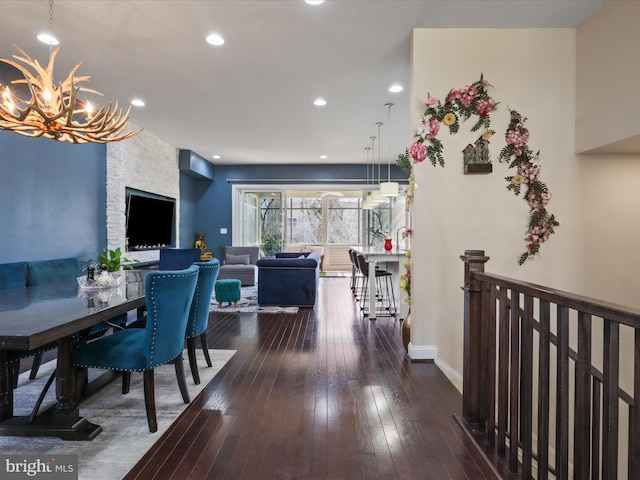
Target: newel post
474	261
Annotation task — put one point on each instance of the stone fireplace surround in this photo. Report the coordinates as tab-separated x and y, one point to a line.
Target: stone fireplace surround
146	163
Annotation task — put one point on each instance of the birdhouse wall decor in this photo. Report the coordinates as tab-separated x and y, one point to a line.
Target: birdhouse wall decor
476	157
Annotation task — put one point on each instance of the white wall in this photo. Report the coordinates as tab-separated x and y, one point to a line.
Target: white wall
143	162
533	72
608	76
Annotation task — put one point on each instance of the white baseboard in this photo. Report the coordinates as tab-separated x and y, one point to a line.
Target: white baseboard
430	352
422	352
453	375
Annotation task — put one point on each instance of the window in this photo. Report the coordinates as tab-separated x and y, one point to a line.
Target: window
379	224
343	220
304	216
261	220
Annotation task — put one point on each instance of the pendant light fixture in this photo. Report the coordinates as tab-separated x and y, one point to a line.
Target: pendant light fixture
389	188
374	195
61	111
377	194
366	203
369	199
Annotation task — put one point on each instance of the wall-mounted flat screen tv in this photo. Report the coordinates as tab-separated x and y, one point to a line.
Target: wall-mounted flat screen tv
150	220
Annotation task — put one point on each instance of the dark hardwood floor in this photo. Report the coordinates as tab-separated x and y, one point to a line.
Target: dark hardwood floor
321	394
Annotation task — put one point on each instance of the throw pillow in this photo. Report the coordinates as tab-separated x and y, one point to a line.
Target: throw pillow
237	259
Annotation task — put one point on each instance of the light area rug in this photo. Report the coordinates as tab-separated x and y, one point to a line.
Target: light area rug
125	435
248	304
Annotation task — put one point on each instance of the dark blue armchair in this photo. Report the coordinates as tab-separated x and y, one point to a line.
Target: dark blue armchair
168	299
178	258
290	279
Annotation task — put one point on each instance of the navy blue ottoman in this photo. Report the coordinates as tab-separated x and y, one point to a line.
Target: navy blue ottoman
228	290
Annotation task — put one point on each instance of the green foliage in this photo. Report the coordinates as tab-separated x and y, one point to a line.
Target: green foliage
458	106
434	152
404	163
474	100
271	245
113	259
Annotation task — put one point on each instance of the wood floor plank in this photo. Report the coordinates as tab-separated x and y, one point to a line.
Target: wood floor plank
324	393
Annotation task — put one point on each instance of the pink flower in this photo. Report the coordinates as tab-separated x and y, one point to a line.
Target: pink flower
535	201
517	138
432	102
529	172
418	151
453	96
466	96
484	107
539	233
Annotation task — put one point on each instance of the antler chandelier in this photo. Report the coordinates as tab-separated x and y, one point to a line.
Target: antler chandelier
55	111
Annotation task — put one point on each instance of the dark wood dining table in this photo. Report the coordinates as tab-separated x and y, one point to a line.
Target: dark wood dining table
35	316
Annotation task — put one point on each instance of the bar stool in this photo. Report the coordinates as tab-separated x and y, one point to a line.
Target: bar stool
356	275
385	295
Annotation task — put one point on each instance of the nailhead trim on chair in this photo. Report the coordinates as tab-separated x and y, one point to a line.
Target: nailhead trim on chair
195	312
154	307
196	297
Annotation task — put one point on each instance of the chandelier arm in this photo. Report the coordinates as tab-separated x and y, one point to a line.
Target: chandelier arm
55	111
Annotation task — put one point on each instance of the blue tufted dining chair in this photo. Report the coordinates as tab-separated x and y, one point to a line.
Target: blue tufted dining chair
168	300
198	315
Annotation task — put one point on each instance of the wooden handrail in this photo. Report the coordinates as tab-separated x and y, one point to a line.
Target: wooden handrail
599	308
510	354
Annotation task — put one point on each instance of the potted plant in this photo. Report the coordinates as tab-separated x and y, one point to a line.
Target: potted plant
271	246
113	259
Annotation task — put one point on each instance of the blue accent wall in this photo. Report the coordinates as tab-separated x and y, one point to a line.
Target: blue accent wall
53	196
52	199
191	192
214	206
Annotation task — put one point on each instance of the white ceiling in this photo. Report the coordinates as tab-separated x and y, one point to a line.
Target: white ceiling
251	100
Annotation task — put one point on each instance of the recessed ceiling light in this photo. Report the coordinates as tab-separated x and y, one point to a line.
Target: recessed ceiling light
215	39
395	88
314	2
48	39
320	102
323	157
137	102
217	157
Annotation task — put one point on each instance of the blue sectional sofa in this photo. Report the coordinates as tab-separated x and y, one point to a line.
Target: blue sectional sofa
25	274
290	279
18	275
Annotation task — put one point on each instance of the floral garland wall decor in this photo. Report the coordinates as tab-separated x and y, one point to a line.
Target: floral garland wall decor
405	278
519	156
474	100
